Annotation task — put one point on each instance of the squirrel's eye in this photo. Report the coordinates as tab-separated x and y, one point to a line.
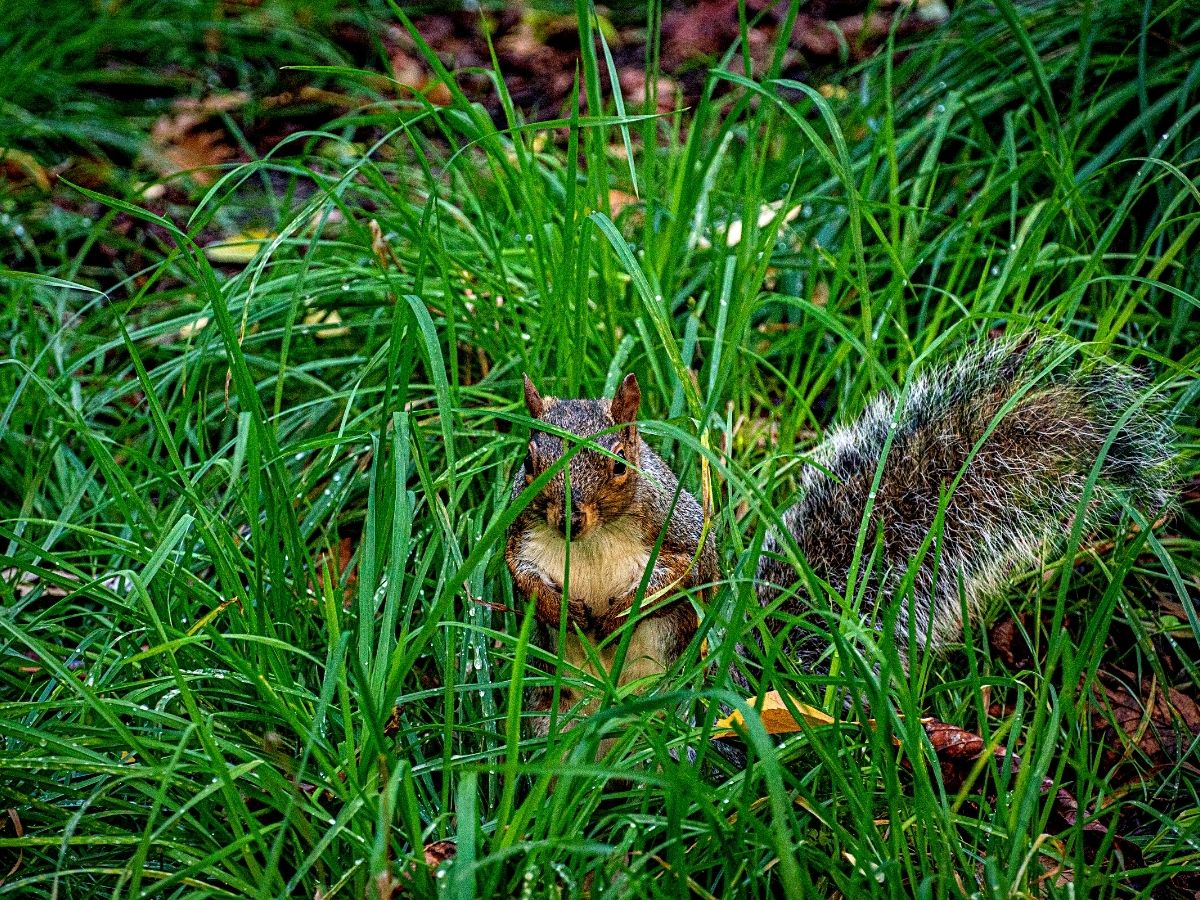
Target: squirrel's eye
619	462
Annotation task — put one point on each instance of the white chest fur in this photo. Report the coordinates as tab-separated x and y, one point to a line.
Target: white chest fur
606	563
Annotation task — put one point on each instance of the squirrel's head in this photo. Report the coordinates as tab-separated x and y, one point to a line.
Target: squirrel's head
602	486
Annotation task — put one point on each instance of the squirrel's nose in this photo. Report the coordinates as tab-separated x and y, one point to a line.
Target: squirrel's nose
576	524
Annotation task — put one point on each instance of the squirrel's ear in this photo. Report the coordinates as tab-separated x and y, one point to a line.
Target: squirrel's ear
533	400
626	401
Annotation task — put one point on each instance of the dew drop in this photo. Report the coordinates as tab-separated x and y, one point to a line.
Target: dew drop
995	271
345	287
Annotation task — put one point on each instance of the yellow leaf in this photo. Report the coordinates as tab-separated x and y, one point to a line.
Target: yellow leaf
191	329
26	164
776	717
238	249
331	319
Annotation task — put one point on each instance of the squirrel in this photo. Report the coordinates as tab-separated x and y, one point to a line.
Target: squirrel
999	446
593	549
1001	443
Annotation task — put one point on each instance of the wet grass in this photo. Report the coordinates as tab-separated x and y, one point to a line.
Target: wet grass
257	634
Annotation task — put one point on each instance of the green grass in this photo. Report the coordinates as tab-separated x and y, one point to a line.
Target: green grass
191	705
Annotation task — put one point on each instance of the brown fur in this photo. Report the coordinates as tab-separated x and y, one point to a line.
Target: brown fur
618	510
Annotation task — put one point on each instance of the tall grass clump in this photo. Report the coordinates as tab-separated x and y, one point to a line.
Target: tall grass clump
258	637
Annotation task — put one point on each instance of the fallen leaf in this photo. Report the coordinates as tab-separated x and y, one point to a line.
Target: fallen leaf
438	852
19	829
391	728
379	246
776	717
331	319
958	751
766	215
191	329
238	249
179	144
20	163
1161	722
619	200
698	31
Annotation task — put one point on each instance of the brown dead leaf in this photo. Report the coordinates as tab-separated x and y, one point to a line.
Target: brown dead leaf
17	165
178	143
331	571
1160	722
23	582
776	717
958	751
19	830
814	36
407	70
392	727
411	73
953	744
379	246
439	851
635	88
403	883
820	295
698	31
619	200
213	104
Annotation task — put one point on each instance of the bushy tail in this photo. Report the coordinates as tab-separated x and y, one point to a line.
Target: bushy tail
1005	438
